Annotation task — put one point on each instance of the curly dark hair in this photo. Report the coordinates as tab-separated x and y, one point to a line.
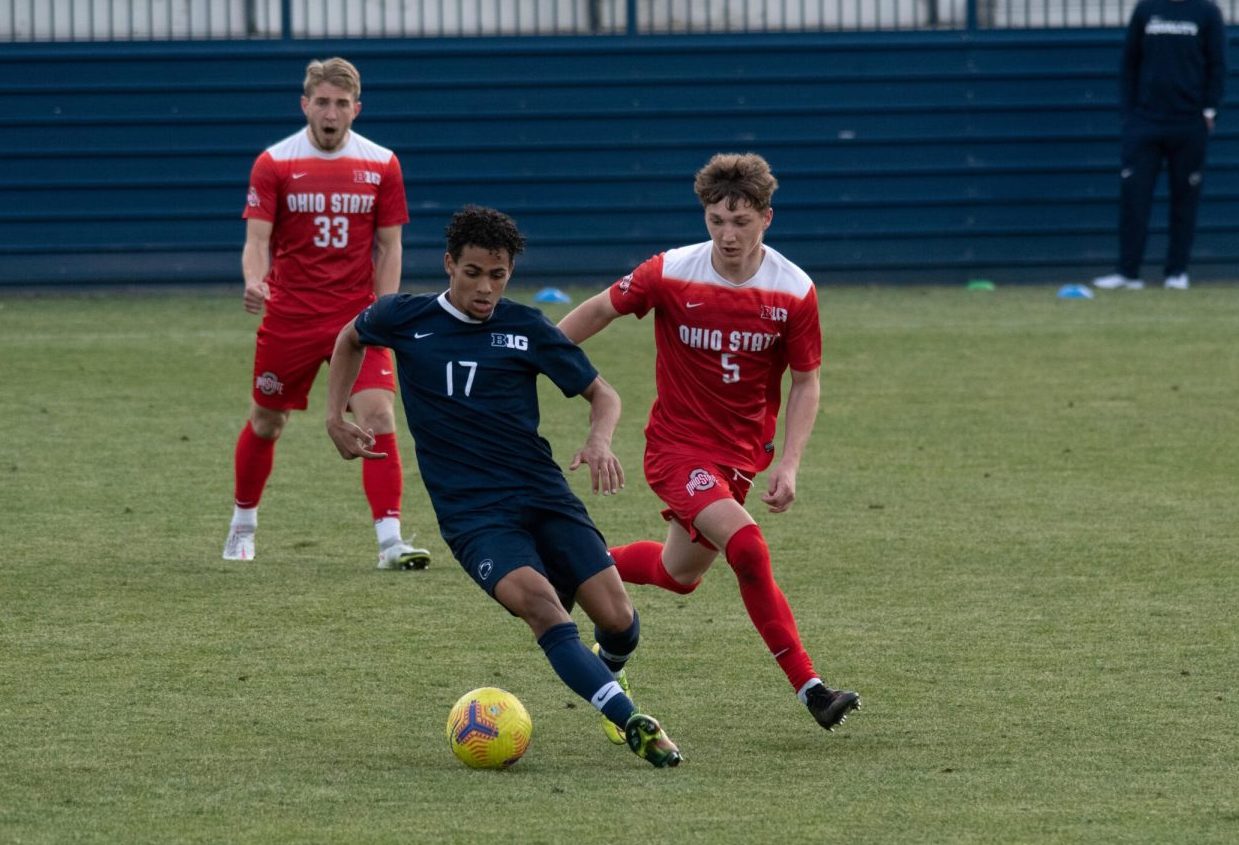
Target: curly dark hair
476	225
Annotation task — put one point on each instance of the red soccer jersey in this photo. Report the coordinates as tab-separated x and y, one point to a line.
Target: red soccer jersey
325	208
722	349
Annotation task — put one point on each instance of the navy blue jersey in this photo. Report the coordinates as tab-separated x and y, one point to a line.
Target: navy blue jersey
471	398
1174	60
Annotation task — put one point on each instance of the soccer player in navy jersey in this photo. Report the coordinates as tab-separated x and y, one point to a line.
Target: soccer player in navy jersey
468	362
731	315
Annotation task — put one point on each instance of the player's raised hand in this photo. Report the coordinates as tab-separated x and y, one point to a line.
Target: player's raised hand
256	297
606	475
351	440
781	491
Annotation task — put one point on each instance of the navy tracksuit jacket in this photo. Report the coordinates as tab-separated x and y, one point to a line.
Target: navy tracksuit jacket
1174	68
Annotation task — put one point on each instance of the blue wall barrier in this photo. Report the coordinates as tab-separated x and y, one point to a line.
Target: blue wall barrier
929	157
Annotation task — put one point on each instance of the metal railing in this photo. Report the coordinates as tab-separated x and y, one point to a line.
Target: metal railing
166	20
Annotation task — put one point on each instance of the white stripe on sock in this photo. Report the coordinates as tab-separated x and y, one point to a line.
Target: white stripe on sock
605	693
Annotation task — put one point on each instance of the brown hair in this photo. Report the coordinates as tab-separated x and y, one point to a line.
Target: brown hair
339	72
735	177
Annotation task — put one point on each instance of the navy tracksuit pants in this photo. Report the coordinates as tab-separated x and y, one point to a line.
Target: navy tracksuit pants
1146	144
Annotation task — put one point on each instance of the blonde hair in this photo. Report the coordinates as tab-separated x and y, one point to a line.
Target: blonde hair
734	177
339	72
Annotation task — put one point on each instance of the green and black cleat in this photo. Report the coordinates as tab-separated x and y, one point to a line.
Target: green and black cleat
648	741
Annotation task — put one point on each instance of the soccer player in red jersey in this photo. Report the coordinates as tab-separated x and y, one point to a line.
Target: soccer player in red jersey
730	315
322	239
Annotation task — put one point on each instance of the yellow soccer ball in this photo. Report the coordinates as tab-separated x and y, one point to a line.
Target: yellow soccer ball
489	728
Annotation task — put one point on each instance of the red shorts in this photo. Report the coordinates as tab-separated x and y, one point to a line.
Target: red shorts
287	362
687	486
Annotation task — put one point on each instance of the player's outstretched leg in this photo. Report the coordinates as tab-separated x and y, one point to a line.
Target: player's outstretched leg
830	707
648	741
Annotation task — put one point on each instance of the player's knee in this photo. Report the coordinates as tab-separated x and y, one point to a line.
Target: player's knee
536	604
378	421
683	589
268	424
748	555
616	618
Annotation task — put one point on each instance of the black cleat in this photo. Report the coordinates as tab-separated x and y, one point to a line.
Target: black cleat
830	706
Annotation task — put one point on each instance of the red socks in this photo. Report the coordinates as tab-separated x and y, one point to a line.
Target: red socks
750	559
251	464
383	480
642	563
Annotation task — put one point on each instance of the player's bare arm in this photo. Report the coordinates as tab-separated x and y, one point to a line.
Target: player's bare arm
802	404
255	262
590	317
388	256
606	475
351	440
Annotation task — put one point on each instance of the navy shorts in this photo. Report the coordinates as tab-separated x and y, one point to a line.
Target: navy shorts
563	546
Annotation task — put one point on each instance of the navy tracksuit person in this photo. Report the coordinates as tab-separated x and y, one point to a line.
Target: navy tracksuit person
1174	67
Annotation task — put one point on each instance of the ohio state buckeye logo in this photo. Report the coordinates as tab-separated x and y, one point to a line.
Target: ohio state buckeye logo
699	480
269	384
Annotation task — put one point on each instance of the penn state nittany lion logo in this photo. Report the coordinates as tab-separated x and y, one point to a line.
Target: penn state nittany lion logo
484	568
699	480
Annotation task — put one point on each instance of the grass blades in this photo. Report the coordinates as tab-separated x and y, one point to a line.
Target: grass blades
1015	536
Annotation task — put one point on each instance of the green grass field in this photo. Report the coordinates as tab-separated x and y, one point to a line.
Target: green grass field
1016	537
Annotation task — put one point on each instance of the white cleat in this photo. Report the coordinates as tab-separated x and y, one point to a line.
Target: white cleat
240	543
400	555
1117	281
1178	282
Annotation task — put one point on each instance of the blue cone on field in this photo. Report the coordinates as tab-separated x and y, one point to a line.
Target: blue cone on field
551	295
1075	292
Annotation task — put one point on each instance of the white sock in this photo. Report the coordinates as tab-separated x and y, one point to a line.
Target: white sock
245	516
388	531
803	692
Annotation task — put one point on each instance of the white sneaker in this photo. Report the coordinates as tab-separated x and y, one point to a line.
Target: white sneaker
1178	282
240	543
400	555
1116	281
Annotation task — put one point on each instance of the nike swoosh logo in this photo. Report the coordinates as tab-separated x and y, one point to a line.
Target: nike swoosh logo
420	335
299	175
384	372
693	304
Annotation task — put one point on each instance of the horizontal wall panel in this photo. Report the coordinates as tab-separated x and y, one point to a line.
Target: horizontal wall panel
924	156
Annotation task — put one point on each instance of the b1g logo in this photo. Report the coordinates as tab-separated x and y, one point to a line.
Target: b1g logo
367	177
625	283
770	312
510	341
269	384
699	480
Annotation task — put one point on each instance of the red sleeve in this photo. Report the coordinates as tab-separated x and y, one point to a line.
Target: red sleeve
637	292
393	210
804	334
263	196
